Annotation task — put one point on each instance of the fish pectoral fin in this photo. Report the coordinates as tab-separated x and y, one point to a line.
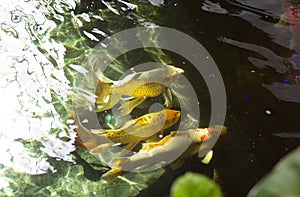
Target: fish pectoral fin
162	142
167	94
128	148
131	77
101	148
107	102
148	146
155	137
112	174
207	157
128	106
177	164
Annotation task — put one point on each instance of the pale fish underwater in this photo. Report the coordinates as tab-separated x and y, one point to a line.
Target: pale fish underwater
154	152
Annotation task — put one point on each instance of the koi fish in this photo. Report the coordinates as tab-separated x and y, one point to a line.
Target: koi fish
291	18
131	133
138	85
154	152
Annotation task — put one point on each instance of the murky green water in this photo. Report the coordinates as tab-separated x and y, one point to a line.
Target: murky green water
43	45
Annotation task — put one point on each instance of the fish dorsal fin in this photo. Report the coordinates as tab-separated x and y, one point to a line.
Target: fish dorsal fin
99	131
148	146
101	148
134	124
100	75
127	78
126	126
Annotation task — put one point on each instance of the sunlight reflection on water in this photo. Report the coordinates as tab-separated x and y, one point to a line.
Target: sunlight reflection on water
26	79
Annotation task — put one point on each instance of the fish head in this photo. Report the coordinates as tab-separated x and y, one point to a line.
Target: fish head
172	116
206	134
169	74
201	134
163	75
290	12
208	137
217	130
290	16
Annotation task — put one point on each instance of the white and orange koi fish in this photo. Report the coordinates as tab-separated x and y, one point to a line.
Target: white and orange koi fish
154	152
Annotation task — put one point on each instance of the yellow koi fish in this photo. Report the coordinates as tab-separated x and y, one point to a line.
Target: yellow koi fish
131	133
155	152
138	85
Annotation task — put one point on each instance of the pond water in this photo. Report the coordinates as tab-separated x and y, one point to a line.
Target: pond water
44	45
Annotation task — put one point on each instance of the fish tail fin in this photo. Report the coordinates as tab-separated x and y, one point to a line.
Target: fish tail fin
117	168
82	132
80	126
103	90
219	129
107	96
128	106
104	87
101	148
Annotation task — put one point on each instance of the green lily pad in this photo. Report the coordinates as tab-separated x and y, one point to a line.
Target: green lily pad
283	180
195	185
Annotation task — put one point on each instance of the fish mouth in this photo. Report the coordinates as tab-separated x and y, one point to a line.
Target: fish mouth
178	70
217	130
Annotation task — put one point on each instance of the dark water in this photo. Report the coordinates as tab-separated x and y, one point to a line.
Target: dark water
249	150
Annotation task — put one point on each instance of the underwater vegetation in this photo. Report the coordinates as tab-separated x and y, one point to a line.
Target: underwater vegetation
283	180
195	185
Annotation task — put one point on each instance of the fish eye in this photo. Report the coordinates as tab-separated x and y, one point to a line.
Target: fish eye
165	80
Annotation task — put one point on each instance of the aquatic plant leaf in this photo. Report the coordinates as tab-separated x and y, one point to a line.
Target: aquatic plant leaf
283	180
194	185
